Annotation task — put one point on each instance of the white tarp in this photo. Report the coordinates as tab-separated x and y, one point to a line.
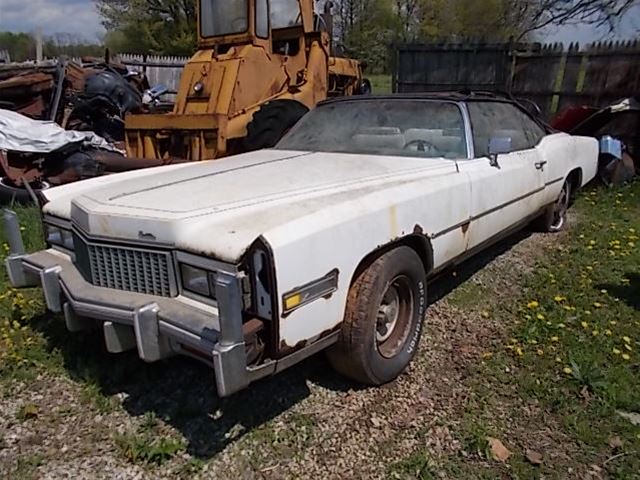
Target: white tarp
23	134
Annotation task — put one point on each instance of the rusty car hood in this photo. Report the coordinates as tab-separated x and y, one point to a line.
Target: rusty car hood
220	207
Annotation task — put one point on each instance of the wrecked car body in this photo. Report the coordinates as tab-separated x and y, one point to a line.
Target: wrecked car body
36	155
618	122
252	263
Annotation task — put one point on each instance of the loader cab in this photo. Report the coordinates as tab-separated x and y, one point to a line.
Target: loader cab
276	25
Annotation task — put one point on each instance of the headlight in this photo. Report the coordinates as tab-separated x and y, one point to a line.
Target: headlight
198	280
58	236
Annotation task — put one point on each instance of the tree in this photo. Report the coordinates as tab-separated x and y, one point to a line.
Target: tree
543	13
364	25
162	27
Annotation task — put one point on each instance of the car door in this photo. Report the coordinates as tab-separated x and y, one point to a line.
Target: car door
504	194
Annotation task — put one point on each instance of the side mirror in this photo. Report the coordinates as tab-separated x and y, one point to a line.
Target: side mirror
498	146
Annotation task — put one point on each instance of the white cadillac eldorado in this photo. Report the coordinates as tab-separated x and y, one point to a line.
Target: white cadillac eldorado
254	262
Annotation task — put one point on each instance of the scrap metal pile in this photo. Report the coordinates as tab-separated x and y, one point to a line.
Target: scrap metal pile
617	126
92	96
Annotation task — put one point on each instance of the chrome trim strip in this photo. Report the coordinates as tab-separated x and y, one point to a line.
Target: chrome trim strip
468	131
488	212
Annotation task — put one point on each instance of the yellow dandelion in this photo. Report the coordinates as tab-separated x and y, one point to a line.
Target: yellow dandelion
561	325
559	299
608	332
587	312
555	339
626	339
589	267
616	351
567	370
558	360
487	355
540	316
519	352
597	304
628	347
626	356
485	314
584	325
612	322
595	333
533	304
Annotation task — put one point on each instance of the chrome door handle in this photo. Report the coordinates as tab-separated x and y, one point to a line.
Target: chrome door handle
540	165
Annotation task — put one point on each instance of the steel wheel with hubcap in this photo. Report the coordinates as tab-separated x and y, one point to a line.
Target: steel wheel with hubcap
394	317
383	319
555	215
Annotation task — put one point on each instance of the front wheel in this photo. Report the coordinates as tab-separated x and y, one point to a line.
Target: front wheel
554	217
383	320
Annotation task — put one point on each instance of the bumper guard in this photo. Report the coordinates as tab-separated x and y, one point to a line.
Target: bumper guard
158	327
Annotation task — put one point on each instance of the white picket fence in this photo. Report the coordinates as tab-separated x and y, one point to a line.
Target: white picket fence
159	70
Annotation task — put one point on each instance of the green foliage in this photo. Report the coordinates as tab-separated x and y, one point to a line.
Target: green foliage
148	448
22	46
160	27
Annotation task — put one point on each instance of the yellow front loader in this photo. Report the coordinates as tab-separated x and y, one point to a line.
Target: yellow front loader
260	66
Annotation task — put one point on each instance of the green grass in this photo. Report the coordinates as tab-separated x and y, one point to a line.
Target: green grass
381	84
145	447
578	341
26	467
571	353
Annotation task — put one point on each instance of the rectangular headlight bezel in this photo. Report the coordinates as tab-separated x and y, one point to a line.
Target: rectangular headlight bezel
197	280
58	234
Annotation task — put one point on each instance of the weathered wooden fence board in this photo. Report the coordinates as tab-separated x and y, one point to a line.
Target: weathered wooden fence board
551	76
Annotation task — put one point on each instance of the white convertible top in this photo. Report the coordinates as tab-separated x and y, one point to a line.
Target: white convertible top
22	134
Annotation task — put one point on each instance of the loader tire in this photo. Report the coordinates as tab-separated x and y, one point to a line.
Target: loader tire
271	122
382	325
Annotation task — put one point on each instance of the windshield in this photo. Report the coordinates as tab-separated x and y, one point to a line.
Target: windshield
383	127
223	17
285	13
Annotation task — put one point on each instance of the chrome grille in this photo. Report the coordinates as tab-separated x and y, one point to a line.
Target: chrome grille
130	269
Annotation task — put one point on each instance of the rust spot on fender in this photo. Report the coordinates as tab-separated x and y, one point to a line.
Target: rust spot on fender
287	349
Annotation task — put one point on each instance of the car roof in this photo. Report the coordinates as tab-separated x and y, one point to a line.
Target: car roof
452	96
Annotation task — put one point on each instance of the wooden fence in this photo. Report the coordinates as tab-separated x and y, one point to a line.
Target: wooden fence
553	77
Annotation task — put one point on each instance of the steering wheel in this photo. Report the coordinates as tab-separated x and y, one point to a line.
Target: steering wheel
421	146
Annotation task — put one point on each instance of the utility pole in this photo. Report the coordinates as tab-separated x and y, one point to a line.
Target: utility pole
39	45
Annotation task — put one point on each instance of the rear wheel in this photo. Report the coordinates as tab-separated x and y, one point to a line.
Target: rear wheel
271	122
383	321
554	217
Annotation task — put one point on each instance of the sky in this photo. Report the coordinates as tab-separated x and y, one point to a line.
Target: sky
81	18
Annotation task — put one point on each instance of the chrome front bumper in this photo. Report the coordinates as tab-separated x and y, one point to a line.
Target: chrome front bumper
158	327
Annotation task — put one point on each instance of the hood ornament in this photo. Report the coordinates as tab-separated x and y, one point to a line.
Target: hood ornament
146	236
